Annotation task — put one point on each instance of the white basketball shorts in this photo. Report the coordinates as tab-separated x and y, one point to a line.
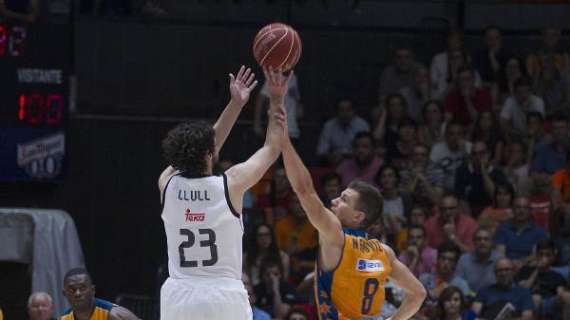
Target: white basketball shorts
204	299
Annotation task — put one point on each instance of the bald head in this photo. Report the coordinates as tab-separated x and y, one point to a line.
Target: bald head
504	272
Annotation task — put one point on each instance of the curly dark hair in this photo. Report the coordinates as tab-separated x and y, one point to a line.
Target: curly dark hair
186	146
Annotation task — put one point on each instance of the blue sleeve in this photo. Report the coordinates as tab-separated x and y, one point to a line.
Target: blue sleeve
526	300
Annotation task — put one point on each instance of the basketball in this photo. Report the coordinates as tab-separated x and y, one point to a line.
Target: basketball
277	45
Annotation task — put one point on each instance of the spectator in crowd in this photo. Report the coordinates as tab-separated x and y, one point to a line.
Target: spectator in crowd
396	203
274	294
452	305
79	290
40	306
418	93
386	130
432	130
298	238
262	246
450	224
515	239
399	151
492	299
293	107
550	48
445	64
501	210
450	154
444	274
417	217
363	164
23	11
477	266
421	179
398	75
540	193
465	101
297	314
276	200
514	69
476	179
258	314
488	129
418	256
490	61
516	165
513	114
552	156
552	86
541	280
561	200
535	134
1	315
336	138
331	187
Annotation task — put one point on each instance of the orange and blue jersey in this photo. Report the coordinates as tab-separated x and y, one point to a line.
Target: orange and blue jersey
100	312
355	288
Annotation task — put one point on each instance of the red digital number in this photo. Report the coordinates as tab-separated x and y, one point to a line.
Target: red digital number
34	108
3	39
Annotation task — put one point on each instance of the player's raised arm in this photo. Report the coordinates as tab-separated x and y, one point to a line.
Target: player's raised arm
244	175
328	225
405	279
240	89
241	86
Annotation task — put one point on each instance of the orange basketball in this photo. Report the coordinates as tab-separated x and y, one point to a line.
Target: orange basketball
277	45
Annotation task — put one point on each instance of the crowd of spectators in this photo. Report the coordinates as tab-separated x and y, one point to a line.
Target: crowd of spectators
472	155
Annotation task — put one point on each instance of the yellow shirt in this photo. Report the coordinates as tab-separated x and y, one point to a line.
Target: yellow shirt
355	289
101	312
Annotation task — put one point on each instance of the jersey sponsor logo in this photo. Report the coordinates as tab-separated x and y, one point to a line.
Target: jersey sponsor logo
193	195
194	216
365	265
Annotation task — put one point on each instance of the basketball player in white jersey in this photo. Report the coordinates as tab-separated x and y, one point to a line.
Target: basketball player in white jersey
201	212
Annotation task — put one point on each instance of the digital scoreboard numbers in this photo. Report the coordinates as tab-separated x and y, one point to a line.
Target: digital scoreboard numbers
35	65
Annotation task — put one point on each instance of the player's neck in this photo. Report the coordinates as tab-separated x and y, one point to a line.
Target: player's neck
85	313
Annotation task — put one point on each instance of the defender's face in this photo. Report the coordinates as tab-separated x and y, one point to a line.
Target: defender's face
344	206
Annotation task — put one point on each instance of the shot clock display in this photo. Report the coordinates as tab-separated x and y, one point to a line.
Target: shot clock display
35	65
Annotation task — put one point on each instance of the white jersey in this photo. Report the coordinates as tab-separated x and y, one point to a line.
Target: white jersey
203	231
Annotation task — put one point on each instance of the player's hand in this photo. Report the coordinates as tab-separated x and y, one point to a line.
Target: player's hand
242	85
277	82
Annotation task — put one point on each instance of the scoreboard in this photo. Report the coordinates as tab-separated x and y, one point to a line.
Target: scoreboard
36	62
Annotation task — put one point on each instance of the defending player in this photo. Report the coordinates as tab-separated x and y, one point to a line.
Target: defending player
351	269
201	212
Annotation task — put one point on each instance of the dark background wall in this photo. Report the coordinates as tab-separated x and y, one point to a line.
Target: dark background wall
136	78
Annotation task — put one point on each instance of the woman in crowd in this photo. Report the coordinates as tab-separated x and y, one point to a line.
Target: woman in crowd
433	127
263	246
452	305
501	210
487	128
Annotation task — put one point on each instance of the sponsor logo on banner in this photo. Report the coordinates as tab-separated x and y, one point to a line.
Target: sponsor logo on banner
365	265
43	157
